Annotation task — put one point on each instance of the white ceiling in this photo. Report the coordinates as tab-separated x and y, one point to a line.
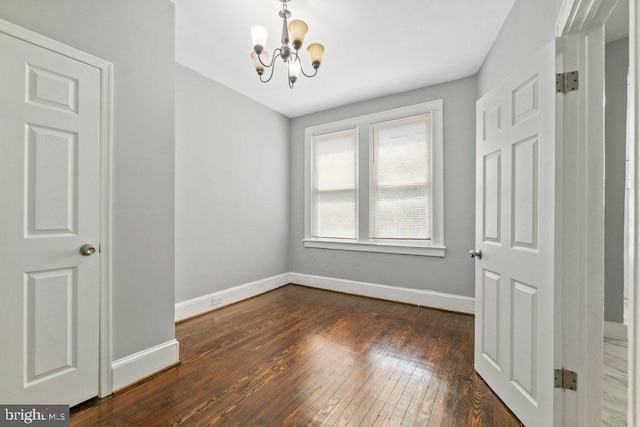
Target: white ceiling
373	47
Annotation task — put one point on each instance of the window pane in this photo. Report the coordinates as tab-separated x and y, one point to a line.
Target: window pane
335	214
334	192
401	179
403	213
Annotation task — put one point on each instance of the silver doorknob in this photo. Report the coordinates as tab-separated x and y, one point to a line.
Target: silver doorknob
476	253
87	249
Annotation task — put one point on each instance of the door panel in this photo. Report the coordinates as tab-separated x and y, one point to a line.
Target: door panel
492	196
523	344
524	209
50	319
491	316
53	90
52	181
525	100
50	189
515	164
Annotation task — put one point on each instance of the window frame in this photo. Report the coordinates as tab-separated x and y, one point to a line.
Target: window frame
364	149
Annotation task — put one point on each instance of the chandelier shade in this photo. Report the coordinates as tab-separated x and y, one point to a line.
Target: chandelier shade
258	60
298	29
259	35
315	51
294	69
293	35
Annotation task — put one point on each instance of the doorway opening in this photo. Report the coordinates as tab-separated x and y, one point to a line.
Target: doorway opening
617	187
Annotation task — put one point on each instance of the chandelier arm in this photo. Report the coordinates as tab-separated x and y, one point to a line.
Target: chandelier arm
302	69
276	53
272	67
307	75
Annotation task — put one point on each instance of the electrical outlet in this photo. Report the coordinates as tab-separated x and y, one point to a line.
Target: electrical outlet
216	300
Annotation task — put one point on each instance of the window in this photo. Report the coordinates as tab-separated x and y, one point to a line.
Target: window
335	190
401	180
399	169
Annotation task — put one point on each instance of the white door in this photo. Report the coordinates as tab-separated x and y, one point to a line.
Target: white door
49	207
515	172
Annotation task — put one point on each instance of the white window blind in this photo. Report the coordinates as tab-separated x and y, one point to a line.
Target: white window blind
334	198
401	180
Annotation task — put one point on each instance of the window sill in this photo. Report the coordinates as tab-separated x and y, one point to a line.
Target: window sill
434	251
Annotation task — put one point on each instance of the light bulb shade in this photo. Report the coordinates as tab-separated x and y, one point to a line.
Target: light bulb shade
297	31
264	57
315	53
259	36
294	68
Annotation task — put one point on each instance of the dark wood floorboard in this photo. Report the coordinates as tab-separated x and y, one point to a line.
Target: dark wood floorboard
301	356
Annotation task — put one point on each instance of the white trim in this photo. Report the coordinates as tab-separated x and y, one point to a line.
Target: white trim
396	113
582	16
106	218
423	298
564	17
362	124
634	216
419	297
105	383
437	174
580	209
580	200
140	365
615	330
435	251
53	45
203	304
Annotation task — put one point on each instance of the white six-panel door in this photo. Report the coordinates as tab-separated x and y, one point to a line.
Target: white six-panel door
515	164
50	206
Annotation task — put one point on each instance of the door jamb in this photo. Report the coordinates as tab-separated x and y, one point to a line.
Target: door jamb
105	381
580	209
633	414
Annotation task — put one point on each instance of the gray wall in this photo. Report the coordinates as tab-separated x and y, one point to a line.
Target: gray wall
616	68
452	274
232	188
138	38
529	26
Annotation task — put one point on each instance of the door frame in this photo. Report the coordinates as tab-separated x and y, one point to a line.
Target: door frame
105	380
580	213
633	413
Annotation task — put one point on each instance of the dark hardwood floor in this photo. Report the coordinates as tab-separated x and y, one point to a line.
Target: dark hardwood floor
301	356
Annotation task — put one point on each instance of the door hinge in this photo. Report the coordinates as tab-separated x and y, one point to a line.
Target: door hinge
565	379
567	82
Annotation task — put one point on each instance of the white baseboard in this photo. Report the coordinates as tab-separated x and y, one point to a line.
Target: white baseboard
203	304
615	330
391	293
137	366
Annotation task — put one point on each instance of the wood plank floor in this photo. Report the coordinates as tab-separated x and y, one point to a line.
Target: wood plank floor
614	383
301	356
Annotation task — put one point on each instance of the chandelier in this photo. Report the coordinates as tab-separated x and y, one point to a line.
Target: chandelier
289	54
